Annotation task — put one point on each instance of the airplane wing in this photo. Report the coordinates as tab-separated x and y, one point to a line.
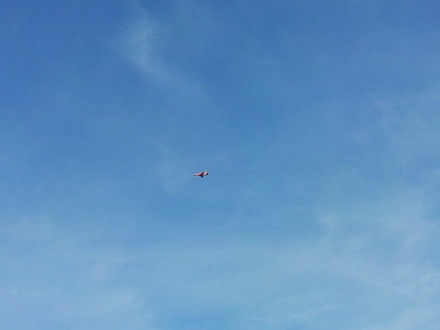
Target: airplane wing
201	174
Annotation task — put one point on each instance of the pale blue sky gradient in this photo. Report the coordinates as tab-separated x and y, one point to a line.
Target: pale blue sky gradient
319	124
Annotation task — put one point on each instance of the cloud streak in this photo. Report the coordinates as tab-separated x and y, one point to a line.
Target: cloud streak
144	42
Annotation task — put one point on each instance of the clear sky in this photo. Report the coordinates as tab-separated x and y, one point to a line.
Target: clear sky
319	124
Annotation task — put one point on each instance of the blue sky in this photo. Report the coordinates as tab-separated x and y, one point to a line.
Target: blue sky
319	124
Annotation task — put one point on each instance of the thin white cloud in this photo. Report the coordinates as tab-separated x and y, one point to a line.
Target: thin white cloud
139	42
144	42
56	275
368	269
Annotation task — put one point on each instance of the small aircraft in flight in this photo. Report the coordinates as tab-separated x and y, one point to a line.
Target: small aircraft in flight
201	174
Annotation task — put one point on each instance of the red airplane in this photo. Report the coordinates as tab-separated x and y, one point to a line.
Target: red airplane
201	174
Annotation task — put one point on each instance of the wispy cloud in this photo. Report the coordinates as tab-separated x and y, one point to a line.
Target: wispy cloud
58	276
144	42
369	269
140	41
